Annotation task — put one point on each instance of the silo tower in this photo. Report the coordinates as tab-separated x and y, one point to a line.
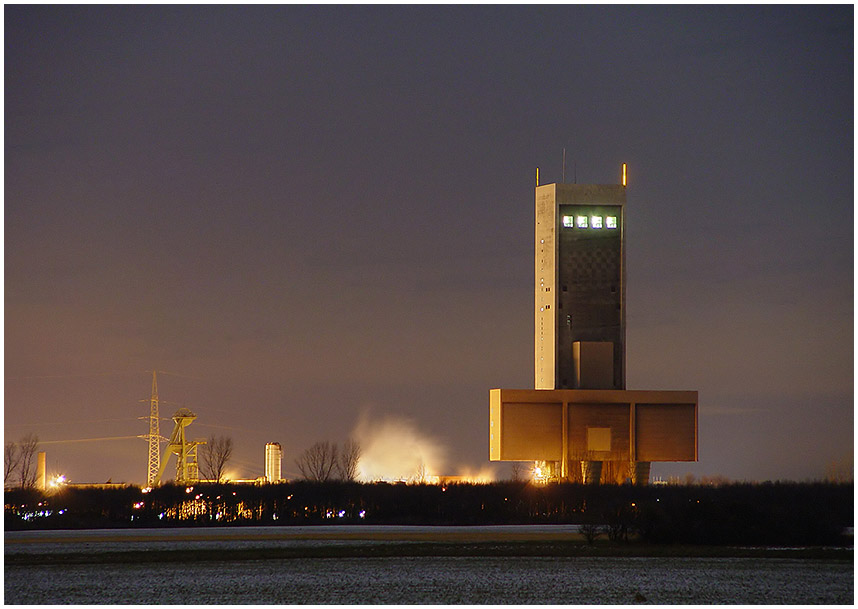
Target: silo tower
273	460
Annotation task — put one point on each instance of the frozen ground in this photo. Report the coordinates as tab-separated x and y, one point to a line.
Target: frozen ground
77	567
439	580
222	538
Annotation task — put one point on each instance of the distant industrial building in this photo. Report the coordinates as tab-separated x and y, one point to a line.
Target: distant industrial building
273	460
580	423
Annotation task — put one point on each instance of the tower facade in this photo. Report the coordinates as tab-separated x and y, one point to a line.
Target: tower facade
273	460
580	287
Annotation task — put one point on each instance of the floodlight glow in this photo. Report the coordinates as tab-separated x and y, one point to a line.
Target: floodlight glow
581	221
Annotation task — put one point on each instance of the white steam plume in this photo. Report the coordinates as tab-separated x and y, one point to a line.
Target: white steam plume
395	449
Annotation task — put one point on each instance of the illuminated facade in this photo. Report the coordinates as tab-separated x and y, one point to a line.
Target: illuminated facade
580	287
580	423
273	460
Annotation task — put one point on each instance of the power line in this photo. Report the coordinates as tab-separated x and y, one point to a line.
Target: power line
68	422
71	376
86	440
225	427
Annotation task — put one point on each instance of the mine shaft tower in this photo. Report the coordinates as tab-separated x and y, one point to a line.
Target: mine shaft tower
187	466
579	417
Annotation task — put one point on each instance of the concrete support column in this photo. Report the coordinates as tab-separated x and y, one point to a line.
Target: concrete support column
640	472
564	437
591	472
41	471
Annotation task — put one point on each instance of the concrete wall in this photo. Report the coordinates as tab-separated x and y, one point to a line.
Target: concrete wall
666	432
545	288
543	425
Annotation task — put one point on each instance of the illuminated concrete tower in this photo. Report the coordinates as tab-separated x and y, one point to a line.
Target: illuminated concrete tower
580	423
580	289
273	460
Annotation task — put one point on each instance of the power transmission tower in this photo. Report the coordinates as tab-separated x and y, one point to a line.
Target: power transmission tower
154	435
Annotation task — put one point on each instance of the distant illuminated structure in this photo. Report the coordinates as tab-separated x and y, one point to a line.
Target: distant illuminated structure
187	466
580	411
153	463
41	471
273	460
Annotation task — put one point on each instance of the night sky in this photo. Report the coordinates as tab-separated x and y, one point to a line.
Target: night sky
318	219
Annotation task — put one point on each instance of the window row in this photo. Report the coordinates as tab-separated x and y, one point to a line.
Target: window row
590	222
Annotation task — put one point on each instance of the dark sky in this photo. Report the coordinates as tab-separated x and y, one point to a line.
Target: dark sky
310	215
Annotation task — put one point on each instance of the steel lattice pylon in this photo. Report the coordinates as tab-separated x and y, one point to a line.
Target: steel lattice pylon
154	435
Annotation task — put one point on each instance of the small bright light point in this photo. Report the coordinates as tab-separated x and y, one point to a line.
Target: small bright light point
596	221
582	221
568	221
611	222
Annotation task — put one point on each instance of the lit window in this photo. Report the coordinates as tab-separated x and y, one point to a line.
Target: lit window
568	221
581	221
611	222
596	221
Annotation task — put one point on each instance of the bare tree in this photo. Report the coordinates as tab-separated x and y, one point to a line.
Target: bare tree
28	445
347	464
519	471
591	531
317	463
420	473
11	459
216	453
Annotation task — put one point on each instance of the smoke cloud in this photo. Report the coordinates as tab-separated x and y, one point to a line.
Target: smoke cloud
393	448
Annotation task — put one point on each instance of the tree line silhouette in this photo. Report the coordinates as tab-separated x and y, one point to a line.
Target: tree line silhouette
733	514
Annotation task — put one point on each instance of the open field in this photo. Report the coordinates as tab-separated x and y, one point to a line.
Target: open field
290	542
